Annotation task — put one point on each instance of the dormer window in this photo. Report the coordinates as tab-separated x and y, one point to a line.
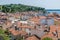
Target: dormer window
29	29
38	26
16	28
35	27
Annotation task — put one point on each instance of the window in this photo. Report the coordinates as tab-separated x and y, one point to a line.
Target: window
20	28
29	34
29	29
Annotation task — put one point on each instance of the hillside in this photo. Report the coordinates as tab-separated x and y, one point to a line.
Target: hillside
19	8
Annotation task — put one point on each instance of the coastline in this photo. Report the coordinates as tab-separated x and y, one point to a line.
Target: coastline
53	10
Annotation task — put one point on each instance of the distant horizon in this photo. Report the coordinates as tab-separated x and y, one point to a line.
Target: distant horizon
53	9
36	6
47	4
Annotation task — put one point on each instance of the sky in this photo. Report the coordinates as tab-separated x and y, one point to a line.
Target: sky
47	4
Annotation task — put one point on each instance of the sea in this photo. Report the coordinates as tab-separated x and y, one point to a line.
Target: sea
53	10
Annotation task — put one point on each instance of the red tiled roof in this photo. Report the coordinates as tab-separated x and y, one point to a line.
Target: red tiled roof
32	38
15	32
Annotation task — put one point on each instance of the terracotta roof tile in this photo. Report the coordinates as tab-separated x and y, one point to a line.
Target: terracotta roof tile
52	28
26	26
15	32
32	38
22	32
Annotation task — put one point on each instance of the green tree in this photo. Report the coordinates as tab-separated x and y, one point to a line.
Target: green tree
19	8
47	38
